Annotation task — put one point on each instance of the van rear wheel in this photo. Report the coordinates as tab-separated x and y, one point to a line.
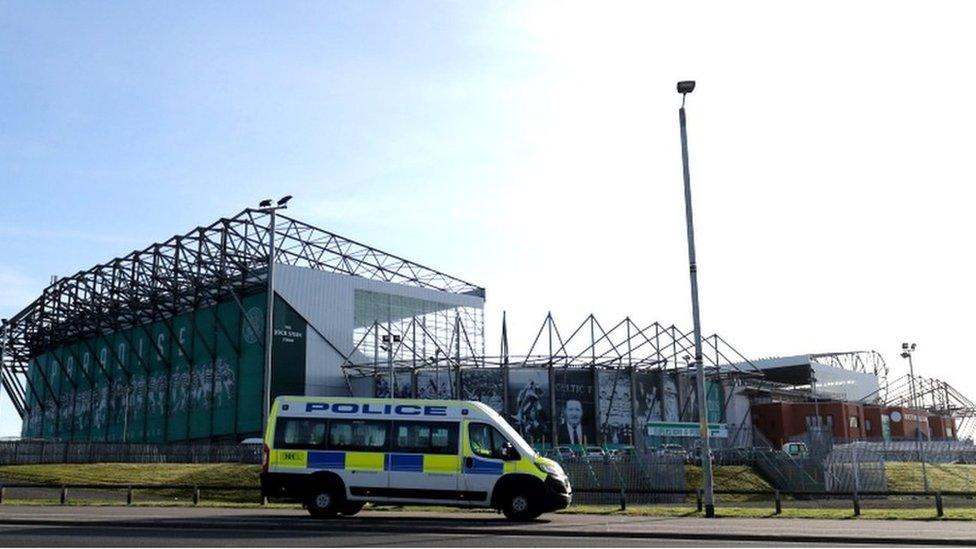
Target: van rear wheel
351	508
521	505
324	502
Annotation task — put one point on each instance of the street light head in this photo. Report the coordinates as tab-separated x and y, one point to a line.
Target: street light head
904	346
284	200
913	346
905	354
686	86
265	203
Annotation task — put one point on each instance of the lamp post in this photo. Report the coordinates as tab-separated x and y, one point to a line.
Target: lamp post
272	209
906	352
389	340
684	88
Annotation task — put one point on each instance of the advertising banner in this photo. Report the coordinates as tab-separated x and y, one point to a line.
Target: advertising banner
528	394
648	398
685	429
437	383
483	385
575	406
616	421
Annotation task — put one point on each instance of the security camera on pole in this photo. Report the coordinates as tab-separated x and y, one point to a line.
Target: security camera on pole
271	209
684	88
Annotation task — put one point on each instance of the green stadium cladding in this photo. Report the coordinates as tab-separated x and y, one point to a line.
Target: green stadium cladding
167	344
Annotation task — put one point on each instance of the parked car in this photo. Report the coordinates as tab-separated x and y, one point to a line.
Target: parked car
623	452
796	449
562	453
594	453
676	450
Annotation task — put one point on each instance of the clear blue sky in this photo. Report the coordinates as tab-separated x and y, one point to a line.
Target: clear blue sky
527	147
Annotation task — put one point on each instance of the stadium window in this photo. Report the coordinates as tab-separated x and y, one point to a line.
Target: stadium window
300	433
852	422
867	424
358	435
425	437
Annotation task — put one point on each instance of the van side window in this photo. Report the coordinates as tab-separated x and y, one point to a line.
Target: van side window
485	440
292	433
358	435
415	437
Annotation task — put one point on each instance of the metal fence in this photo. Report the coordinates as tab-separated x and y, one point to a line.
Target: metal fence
36	452
644	478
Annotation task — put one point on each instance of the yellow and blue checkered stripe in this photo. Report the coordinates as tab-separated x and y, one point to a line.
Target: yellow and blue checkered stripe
374	461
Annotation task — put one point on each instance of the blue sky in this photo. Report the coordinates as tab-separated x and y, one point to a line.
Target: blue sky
527	147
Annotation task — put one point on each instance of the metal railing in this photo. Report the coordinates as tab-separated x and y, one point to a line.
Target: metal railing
623	497
21	452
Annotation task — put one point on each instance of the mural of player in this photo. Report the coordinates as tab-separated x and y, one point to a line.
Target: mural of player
575	406
483	385
528	390
616	422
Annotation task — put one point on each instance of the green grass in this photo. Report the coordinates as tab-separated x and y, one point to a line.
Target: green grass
729	477
134	473
146	473
907	476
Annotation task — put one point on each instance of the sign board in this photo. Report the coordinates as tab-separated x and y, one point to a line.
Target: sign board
685	429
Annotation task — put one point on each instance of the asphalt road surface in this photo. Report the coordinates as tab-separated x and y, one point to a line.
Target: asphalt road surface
154	526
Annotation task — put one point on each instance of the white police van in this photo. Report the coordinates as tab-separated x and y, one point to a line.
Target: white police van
336	454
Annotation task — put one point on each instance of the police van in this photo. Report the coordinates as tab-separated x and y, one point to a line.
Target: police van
336	454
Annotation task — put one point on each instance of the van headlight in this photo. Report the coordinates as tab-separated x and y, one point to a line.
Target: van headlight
553	469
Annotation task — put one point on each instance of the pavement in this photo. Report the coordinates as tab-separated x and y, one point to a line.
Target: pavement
154	526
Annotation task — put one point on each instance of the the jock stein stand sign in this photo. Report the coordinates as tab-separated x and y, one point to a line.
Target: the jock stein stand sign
658	430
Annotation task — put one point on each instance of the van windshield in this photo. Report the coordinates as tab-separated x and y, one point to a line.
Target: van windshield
510	433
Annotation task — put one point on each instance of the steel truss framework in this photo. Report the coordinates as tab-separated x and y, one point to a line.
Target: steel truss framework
624	346
224	260
936	397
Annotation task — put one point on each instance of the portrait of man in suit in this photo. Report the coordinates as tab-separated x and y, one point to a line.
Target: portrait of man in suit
571	429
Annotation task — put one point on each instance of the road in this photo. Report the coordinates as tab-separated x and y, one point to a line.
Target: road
182	526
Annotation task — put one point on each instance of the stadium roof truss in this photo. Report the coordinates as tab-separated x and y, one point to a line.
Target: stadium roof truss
624	345
227	258
935	396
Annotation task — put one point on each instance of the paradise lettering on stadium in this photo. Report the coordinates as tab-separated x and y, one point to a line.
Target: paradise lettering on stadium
377	409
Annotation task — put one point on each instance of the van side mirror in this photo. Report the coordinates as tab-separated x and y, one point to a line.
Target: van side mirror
509	453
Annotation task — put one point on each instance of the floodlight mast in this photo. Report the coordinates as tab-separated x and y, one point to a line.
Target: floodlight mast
684	88
266	206
907	350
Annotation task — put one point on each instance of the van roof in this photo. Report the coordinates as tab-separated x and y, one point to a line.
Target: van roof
437	402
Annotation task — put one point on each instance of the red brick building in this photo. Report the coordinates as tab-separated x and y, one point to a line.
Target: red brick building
780	421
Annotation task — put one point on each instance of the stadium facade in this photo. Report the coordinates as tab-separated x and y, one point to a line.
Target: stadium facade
168	344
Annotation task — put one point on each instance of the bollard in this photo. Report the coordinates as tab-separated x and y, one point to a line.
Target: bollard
128	496
698	500
264	500
196	495
64	495
857	505
623	500
1	493
779	502
939	510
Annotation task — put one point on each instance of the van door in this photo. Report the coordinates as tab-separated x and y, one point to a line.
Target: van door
482	463
364	444
424	463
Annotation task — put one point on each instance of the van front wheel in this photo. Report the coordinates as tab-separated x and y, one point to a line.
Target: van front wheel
323	502
520	505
